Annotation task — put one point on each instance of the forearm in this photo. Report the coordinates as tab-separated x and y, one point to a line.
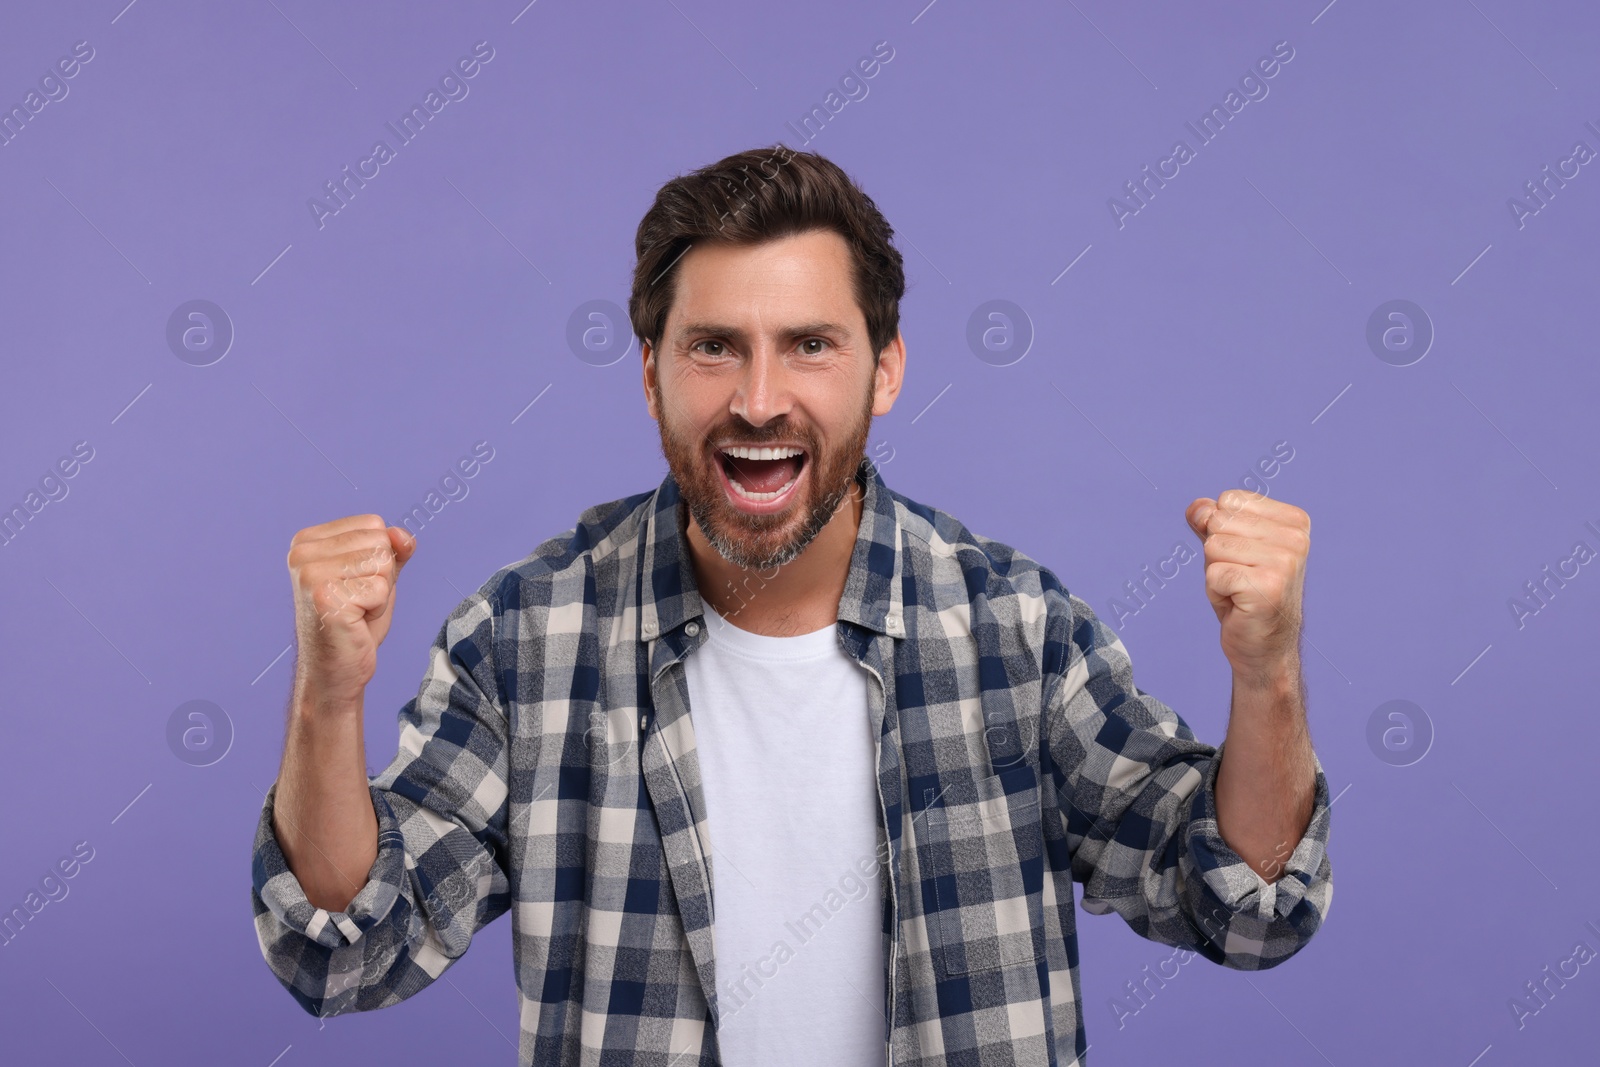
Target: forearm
1266	783
322	811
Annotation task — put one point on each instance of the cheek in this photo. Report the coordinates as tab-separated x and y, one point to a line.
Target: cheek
688	419
695	389
839	395
692	407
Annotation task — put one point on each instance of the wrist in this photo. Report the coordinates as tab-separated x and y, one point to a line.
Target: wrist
323	694
1279	676
325	706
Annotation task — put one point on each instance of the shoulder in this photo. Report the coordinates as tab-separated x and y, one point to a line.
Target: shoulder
598	547
962	566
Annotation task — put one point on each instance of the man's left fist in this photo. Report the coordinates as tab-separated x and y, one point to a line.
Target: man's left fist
1255	552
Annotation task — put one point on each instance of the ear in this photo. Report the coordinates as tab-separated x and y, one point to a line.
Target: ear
651	390
890	375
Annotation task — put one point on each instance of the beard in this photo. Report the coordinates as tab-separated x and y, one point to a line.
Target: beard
756	542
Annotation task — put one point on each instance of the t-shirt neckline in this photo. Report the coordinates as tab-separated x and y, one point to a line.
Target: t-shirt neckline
762	646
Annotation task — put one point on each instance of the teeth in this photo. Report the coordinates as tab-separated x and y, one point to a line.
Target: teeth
762	453
762	497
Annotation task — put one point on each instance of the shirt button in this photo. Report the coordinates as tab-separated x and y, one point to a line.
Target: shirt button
692	629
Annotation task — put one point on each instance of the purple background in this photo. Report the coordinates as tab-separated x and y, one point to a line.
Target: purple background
1229	314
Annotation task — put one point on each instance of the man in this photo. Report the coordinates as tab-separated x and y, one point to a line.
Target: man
907	741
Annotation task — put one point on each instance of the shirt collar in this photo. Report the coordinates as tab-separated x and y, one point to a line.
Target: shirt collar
872	589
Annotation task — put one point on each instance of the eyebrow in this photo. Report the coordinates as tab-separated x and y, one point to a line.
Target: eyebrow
791	333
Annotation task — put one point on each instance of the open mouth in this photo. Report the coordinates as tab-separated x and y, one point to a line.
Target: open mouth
762	477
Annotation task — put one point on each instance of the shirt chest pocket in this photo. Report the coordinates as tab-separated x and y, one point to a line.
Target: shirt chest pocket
984	851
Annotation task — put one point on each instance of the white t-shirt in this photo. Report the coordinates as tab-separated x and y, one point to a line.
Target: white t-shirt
788	767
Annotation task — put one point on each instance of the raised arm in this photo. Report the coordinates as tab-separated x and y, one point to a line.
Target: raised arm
365	892
1255	553
1137	793
343	577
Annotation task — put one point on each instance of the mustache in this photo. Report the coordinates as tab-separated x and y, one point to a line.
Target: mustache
759	440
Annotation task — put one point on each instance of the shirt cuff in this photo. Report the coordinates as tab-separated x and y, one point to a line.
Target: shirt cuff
280	891
1239	887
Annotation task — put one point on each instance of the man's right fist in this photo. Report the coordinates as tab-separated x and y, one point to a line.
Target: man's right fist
343	573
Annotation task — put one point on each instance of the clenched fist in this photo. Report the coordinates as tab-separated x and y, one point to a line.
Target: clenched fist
343	573
1255	552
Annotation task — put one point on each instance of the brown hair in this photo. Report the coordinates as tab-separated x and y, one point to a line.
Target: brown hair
760	195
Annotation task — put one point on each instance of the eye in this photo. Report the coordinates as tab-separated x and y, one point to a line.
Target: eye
708	341
812	341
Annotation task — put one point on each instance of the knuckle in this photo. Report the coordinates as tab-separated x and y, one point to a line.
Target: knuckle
1226	542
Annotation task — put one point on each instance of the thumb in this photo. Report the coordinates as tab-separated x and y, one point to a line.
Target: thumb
1198	514
405	545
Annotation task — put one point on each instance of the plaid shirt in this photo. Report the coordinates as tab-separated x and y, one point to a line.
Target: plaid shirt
547	767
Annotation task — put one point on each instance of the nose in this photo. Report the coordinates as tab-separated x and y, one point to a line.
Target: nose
763	392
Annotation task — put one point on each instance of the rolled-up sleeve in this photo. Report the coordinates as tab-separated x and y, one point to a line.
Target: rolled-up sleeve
1137	795
440	873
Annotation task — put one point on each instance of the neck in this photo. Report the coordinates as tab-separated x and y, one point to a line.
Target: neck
802	596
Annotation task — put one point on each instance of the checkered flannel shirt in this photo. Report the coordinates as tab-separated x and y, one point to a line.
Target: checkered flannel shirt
547	767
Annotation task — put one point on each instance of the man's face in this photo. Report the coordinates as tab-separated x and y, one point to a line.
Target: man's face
765	347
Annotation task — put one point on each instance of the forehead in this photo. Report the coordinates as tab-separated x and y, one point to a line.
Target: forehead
805	275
